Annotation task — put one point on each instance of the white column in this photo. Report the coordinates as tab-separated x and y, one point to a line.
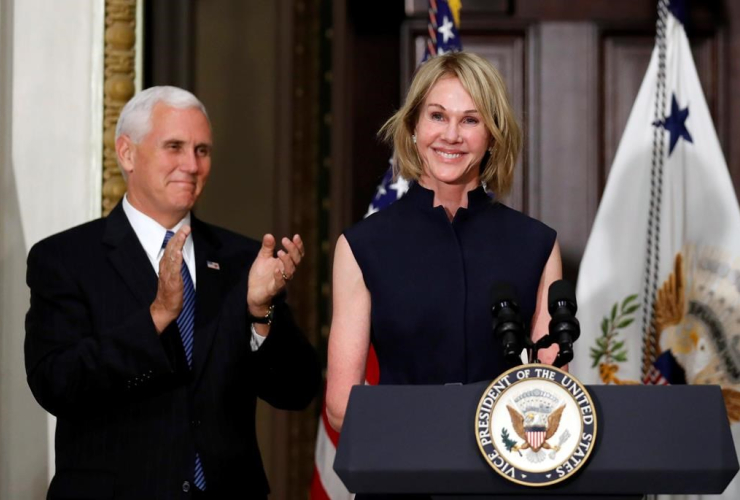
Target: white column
51	74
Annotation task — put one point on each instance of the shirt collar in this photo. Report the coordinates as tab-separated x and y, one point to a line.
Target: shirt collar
424	198
151	233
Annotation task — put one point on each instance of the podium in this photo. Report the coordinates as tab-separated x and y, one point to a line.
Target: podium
650	440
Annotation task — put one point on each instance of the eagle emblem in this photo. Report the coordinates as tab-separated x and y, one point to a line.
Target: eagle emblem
696	324
553	421
536	419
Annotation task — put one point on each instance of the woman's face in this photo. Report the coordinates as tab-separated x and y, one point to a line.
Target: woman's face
450	136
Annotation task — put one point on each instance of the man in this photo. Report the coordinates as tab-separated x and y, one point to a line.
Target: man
151	333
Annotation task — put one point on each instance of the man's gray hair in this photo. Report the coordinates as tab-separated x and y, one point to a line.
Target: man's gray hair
136	117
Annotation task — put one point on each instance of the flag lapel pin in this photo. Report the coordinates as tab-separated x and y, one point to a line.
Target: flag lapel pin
213	265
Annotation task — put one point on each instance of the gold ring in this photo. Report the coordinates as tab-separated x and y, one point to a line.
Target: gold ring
285	277
172	259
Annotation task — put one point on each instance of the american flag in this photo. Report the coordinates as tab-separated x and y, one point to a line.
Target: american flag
444	20
443	37
388	191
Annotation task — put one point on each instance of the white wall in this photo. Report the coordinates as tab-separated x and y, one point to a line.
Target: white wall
50	176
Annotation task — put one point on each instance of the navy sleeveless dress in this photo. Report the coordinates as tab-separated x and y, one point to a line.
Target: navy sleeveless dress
430	279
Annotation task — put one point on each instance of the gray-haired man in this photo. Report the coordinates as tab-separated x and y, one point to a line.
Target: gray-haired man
151	333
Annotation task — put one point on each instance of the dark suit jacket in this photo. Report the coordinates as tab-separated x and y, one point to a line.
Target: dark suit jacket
130	413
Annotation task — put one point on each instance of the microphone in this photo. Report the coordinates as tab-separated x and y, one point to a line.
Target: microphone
564	327
507	323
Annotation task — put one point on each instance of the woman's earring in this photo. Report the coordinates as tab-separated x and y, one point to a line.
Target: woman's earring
413	138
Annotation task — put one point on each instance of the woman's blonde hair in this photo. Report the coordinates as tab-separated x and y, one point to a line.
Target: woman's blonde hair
488	91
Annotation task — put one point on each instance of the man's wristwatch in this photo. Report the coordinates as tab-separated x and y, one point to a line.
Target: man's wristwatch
263	320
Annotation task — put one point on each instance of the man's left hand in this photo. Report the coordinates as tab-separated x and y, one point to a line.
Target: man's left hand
269	274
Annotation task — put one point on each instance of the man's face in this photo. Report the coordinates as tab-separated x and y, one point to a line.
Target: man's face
168	169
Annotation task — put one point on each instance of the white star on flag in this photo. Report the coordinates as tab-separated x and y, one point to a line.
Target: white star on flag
446	30
371	210
400	186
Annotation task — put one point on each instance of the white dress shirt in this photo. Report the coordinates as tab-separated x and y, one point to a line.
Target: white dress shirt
151	236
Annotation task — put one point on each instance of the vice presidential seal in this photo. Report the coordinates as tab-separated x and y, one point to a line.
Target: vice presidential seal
535	425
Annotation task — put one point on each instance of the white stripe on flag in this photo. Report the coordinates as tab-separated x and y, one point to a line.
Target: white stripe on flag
325	453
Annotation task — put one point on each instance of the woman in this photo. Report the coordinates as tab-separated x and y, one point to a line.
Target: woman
416	276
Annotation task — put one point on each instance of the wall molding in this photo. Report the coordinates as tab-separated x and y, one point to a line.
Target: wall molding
119	85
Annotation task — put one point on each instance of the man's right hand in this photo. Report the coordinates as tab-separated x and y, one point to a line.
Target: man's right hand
169	300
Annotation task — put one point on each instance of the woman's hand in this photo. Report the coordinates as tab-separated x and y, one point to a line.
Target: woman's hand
552	272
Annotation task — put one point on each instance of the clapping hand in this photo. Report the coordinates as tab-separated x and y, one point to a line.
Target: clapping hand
269	274
169	300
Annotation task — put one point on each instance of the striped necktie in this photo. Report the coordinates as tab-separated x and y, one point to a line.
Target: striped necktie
186	325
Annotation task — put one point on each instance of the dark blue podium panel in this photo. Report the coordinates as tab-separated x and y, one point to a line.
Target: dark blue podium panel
420	439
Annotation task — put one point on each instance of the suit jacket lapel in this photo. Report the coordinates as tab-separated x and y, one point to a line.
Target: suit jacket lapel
208	293
130	261
128	256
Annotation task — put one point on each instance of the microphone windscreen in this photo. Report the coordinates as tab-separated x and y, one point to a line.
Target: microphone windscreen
559	291
503	292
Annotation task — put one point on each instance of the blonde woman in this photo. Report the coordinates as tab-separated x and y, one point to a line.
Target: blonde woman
415	277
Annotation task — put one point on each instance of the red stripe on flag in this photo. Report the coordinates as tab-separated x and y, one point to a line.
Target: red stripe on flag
654	377
372	369
317	489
